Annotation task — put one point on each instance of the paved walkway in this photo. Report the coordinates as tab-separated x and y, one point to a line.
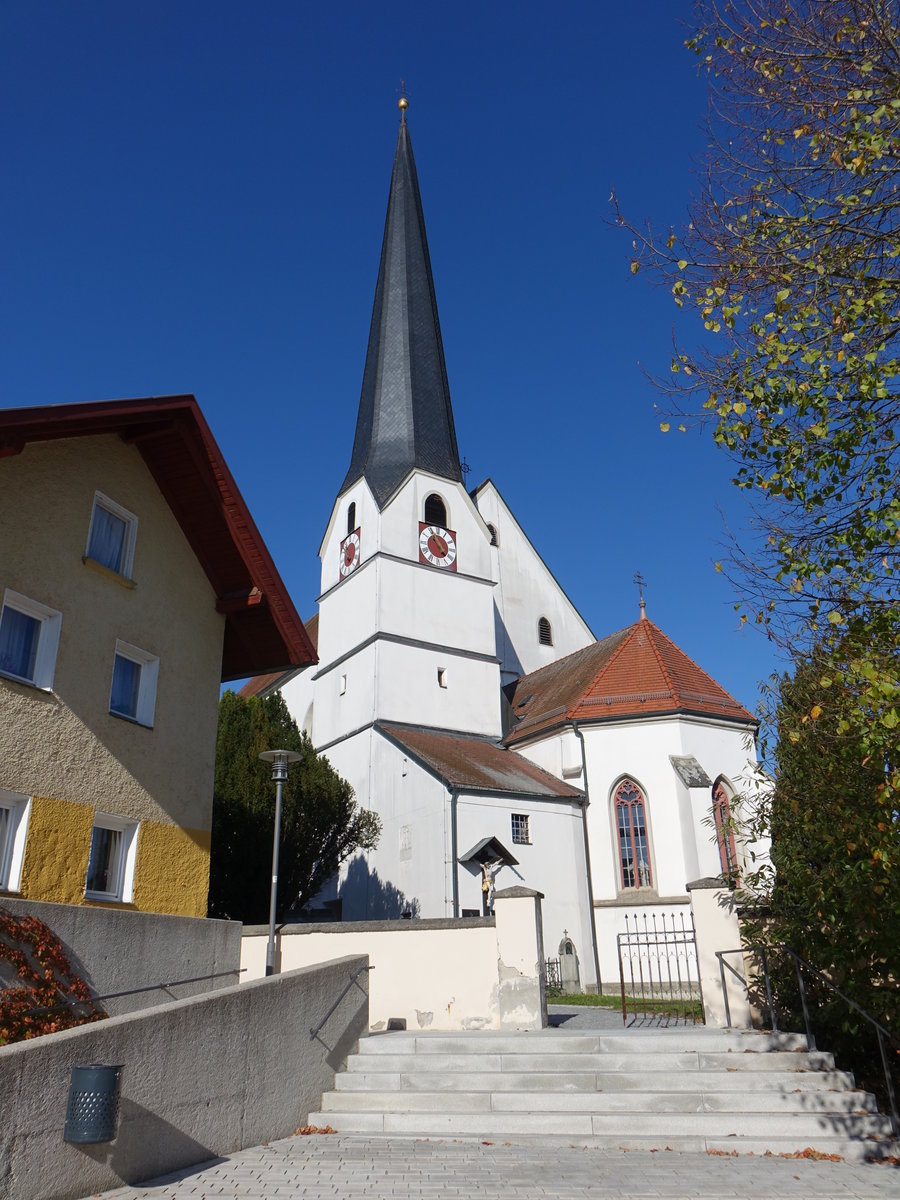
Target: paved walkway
323	1166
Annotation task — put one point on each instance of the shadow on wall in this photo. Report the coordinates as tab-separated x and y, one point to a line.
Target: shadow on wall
140	1128
366	897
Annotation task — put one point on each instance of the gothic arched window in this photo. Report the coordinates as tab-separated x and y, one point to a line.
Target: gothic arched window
435	511
493	532
545	632
724	830
631	830
351	517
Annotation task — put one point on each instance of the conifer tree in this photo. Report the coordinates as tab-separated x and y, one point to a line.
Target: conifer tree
322	825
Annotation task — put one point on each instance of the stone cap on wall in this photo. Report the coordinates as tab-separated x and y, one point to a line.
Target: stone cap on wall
516	892
398	925
707	883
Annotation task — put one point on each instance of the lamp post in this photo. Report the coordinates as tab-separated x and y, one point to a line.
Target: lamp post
280	760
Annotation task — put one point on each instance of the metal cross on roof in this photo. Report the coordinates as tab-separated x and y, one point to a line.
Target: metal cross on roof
642	583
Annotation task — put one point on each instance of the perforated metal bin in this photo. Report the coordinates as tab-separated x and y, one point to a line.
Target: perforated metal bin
92	1112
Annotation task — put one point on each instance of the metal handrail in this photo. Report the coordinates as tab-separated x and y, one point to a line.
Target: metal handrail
150	987
881	1031
313	1033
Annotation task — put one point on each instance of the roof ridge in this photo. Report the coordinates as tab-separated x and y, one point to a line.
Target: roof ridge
659	659
557	662
696	666
619	650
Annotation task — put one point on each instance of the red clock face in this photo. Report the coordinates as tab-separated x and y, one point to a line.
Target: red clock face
437	546
350	553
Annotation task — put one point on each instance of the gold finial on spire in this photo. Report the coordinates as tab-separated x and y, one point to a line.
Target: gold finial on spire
403	102
642	583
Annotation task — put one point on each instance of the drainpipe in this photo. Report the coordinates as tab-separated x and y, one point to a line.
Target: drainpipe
454	853
587	852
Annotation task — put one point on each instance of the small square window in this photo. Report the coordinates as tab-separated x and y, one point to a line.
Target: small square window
520	833
110	873
112	535
133	691
14	813
29	639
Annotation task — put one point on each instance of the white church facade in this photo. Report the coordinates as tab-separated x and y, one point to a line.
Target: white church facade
465	699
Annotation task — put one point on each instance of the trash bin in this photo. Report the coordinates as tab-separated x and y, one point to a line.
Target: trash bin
92	1112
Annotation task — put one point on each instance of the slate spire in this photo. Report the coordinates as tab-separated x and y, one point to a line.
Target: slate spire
405	418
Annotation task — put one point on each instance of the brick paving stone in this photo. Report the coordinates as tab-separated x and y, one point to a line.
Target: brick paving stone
321	1168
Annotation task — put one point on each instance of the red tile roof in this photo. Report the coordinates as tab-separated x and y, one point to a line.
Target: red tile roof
261	685
473	764
636	672
262	629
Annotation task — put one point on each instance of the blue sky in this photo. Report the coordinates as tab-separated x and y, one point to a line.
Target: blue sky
193	201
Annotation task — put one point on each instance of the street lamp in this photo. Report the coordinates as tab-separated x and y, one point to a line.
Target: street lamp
280	760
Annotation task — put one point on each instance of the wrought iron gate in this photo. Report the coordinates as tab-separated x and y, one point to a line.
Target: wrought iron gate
658	969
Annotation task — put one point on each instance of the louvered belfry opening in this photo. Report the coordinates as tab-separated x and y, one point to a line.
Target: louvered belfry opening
435	511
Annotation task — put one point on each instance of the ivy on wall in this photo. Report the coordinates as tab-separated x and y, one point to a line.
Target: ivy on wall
39	991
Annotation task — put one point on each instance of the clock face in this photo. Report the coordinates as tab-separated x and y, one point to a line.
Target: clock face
437	546
349	553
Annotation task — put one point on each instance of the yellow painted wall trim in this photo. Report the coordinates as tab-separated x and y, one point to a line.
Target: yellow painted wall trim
171	871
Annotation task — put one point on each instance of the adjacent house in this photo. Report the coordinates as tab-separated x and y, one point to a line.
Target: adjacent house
133	581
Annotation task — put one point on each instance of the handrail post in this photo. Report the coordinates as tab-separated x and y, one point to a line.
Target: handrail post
765	967
810	1040
720	955
892	1098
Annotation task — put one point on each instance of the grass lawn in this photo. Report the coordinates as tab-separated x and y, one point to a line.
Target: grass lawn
692	1009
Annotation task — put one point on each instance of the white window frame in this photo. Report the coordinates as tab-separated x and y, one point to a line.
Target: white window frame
101	500
149	676
12	844
125	859
48	638
520	823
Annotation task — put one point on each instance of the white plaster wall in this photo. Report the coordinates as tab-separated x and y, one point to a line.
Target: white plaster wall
401	517
527	592
727	751
554	864
65	743
431	978
368	522
682	846
299	696
348	614
408	869
434	605
407	689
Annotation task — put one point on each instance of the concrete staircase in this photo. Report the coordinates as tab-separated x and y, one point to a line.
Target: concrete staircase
682	1089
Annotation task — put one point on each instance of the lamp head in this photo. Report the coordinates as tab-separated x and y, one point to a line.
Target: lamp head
280	760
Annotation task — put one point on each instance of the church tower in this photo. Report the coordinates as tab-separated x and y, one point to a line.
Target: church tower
406	614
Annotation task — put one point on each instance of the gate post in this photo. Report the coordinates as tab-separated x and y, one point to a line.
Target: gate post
520	958
716	927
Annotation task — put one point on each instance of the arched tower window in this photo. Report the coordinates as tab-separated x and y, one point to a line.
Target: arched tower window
435	511
545	632
351	516
724	831
631	830
495	541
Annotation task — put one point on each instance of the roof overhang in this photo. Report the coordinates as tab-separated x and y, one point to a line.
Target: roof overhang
489	850
263	631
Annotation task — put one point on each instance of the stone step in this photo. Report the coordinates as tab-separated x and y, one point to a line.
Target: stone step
793	1061
592	1081
799	1129
775	1104
552	1042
